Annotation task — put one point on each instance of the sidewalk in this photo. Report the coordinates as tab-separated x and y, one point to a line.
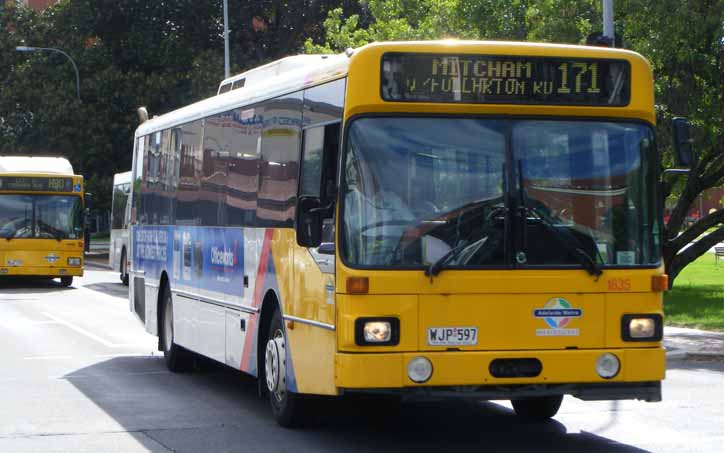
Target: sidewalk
682	343
98	255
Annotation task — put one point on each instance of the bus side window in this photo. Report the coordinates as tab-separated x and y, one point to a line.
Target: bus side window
319	169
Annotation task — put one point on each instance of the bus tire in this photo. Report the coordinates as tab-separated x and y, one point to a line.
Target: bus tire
537	409
289	409
124	271
66	281
177	358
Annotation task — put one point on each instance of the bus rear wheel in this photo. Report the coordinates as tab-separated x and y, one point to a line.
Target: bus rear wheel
537	409
177	358
289	409
123	267
66	281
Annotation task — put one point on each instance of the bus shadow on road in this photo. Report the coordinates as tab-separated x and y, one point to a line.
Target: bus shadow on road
111	289
220	407
32	285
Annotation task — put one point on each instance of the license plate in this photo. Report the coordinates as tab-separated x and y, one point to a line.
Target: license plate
452	336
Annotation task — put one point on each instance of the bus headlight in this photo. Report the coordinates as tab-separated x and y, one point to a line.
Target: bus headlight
74	261
607	365
642	327
377	331
419	370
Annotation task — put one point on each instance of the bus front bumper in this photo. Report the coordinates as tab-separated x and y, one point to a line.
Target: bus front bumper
468	374
39	271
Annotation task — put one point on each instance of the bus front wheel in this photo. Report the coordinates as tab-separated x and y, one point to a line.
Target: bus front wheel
177	358
288	408
66	281
538	408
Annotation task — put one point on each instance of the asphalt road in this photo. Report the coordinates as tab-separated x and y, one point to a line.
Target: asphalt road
78	373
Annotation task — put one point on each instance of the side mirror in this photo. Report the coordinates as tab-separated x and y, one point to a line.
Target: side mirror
308	221
89	200
683	142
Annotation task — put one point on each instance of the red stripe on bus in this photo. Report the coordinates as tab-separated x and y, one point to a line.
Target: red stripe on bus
258	288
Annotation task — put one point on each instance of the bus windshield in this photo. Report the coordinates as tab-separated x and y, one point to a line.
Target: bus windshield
40	216
495	192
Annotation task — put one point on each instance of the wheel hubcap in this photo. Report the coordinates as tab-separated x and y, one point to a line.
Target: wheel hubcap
275	365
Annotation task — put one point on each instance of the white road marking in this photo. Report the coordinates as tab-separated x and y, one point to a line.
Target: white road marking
131	354
80	330
91	335
48	357
96	376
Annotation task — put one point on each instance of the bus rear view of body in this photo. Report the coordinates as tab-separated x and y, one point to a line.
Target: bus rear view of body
428	219
41	218
120	212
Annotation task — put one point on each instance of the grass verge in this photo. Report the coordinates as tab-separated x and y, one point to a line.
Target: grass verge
697	299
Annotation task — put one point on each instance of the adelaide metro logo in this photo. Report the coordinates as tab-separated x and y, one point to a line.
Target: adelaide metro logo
557	313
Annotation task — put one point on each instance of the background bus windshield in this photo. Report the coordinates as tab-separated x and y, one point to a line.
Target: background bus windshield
418	189
40	216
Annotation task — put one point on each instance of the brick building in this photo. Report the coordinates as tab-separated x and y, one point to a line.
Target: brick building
38	5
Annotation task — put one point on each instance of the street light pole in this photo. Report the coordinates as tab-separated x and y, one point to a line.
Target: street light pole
51	49
608	32
226	39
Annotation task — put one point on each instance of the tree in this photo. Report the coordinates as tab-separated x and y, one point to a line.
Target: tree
685	44
161	54
683	41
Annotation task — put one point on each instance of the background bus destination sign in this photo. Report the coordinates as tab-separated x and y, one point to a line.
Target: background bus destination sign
36	184
495	79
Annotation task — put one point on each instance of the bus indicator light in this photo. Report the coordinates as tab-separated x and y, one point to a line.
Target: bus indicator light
660	283
358	285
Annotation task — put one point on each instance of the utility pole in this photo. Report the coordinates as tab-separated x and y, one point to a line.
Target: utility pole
226	39
608	21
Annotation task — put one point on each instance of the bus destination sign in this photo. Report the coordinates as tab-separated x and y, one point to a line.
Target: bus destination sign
36	184
495	79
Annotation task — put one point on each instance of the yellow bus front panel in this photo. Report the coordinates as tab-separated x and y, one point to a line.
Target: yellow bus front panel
41	257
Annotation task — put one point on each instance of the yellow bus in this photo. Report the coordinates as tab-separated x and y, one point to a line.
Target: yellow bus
41	218
442	219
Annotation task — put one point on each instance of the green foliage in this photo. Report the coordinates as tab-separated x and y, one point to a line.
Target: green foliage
698	298
160	54
393	20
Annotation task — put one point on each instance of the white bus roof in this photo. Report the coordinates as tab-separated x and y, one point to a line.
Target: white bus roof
315	71
122	178
30	164
254	76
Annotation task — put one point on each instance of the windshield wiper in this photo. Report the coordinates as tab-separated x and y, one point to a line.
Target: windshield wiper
437	266
56	233
568	241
